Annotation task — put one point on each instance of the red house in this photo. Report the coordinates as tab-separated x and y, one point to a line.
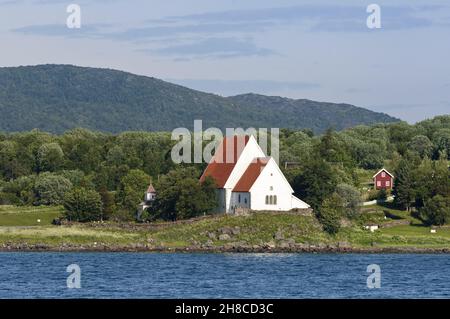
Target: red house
383	179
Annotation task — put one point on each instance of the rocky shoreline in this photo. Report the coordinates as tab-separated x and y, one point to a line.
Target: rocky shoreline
228	248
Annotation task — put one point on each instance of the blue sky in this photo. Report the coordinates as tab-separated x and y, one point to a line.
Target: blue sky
320	50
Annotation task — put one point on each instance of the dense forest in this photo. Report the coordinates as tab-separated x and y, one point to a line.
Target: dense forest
100	175
57	98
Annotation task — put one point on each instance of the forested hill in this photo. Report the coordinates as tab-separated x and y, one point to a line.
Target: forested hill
303	113
56	98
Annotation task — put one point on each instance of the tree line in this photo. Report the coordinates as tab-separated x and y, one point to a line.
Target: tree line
99	176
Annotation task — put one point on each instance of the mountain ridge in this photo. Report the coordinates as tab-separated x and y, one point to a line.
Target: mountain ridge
59	97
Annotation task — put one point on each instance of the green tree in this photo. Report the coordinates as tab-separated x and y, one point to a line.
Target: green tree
436	211
332	149
330	213
351	199
133	187
82	205
404	184
116	156
422	145
441	177
372	160
108	204
441	141
180	195
195	198
84	149
400	134
382	194
295	147
51	188
22	189
431	178
76	177
10	164
50	157
424	184
315	182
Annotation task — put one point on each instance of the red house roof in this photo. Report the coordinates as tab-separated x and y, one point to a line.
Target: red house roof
381	170
229	150
251	174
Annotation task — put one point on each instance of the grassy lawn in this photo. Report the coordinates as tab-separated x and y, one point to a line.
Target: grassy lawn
414	236
19	225
28	216
74	235
376	214
394	213
408	230
364	180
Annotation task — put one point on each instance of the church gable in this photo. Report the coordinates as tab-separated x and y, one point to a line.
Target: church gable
225	159
271	178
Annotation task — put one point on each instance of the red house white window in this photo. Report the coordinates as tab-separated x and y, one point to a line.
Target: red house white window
383	179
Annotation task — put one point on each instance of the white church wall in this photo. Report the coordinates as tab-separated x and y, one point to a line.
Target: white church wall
271	182
298	203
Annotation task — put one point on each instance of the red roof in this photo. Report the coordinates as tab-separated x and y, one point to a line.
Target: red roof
218	168
251	174
381	170
151	189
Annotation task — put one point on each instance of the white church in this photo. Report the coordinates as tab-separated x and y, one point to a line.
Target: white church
247	179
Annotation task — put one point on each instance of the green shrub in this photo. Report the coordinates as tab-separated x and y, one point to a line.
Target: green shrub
372	195
382	194
9	199
436	211
51	188
330	214
82	205
351	199
181	196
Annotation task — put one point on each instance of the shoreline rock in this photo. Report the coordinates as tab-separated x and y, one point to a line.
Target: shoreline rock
284	247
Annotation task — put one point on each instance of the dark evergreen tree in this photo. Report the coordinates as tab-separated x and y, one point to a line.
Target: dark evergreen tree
404	185
108	204
315	182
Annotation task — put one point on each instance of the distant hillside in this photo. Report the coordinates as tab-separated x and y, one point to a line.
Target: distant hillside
311	114
55	98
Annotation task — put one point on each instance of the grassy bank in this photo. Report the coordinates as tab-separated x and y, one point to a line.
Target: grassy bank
28	216
260	231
